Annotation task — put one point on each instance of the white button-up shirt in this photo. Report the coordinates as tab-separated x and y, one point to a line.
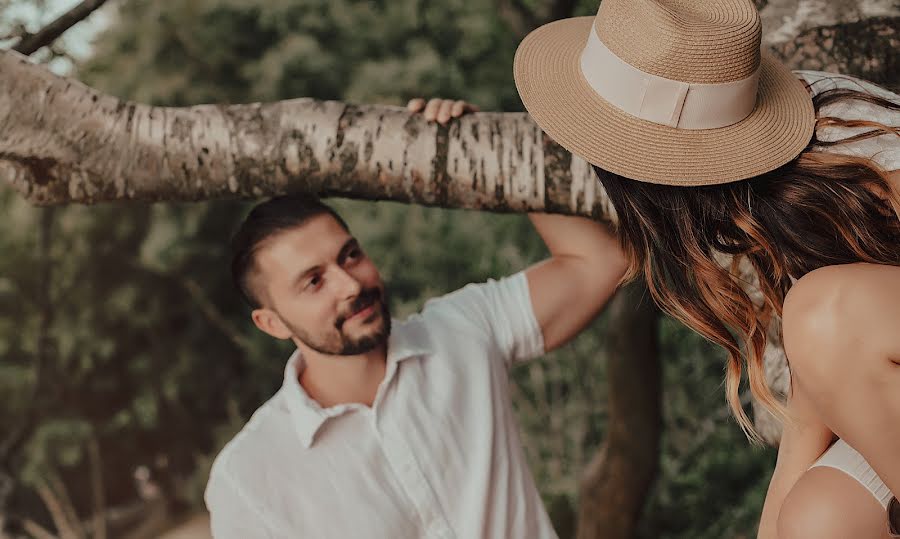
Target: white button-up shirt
438	454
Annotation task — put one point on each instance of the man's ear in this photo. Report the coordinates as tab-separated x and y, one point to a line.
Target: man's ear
268	321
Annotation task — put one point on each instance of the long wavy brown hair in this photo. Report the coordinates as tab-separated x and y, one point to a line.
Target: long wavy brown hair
820	209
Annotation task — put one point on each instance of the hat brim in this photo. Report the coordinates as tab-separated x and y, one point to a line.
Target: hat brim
550	83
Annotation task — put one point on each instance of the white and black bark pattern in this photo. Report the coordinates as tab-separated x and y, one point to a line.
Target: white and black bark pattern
63	142
785	20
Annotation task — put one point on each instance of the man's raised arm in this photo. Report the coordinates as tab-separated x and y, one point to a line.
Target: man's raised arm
569	289
585	265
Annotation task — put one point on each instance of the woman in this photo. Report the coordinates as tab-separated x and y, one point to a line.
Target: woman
711	151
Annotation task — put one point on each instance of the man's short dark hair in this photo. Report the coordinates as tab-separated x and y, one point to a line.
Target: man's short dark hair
264	221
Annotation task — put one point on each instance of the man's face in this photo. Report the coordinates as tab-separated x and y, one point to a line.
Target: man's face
318	286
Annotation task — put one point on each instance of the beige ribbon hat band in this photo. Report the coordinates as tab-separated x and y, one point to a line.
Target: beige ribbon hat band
665	101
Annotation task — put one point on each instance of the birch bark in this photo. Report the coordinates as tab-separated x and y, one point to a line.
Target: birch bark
62	142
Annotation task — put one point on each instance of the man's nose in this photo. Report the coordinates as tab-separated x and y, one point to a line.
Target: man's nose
349	286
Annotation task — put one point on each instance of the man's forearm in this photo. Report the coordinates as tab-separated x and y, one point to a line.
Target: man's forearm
568	290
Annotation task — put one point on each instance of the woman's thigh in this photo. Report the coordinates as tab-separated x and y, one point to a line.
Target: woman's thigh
827	503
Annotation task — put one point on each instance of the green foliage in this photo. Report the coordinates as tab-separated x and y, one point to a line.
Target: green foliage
226	51
712	482
154	354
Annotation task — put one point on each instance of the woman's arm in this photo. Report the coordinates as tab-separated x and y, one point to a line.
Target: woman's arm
803	440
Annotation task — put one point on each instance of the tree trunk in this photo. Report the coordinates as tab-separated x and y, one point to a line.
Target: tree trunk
62	142
785	20
616	482
866	49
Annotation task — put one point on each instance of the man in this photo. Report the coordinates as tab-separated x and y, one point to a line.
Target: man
395	429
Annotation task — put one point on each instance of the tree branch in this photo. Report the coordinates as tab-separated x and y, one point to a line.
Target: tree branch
74	523
214	316
60	510
63	142
36	530
99	494
209	309
46	35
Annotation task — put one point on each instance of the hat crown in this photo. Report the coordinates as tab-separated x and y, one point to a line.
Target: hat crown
695	41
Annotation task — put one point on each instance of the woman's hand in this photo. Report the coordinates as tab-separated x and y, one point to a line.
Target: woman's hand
441	110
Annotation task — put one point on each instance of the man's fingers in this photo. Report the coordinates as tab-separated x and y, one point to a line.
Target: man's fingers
431	109
415	105
459	107
444	112
441	110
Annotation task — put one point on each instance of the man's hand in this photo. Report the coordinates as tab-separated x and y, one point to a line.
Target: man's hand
441	110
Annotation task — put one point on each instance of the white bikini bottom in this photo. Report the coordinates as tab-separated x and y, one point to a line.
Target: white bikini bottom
843	457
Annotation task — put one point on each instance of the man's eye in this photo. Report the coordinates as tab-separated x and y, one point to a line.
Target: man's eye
354	254
313	282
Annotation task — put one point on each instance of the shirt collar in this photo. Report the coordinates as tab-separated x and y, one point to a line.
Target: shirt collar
408	339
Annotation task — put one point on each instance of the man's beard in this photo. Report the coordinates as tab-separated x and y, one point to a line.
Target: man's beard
344	345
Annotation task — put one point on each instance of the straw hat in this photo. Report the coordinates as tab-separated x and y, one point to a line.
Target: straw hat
675	92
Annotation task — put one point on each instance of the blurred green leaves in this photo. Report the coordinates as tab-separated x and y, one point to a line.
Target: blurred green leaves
155	355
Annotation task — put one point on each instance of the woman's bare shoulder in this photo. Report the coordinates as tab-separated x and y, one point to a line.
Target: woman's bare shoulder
842	282
842	299
843	275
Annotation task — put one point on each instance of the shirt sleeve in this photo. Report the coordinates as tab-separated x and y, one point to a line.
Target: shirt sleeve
499	309
231	514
